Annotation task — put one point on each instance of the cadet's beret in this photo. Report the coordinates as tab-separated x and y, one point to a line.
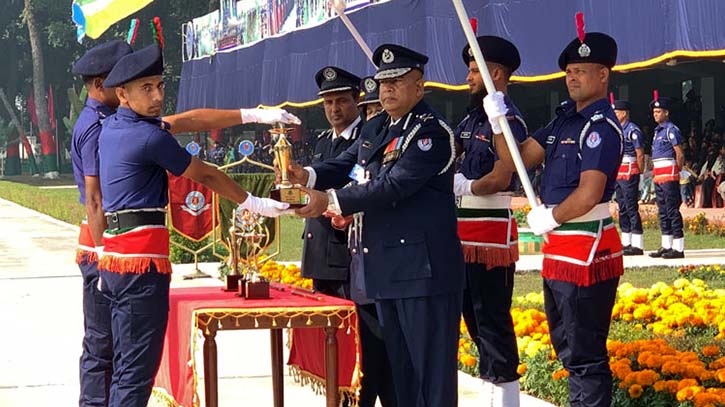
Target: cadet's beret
621	105
146	62
662	103
371	88
394	61
598	48
100	59
333	79
495	49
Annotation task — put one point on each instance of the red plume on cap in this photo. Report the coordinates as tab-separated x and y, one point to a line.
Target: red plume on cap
579	17
611	98
474	24
656	95
158	32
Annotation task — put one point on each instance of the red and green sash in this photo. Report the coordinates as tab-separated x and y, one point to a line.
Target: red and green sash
627	168
86	245
488	236
583	253
665	170
133	250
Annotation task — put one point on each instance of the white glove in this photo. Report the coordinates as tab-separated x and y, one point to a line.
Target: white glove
541	220
462	185
268	116
99	251
495	107
263	206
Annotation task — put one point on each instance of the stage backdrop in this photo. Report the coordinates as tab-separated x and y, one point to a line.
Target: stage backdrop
275	62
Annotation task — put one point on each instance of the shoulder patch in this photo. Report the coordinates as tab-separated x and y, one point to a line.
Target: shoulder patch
593	139
425	144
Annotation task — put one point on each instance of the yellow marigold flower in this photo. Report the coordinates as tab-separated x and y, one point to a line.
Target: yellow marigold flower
635	391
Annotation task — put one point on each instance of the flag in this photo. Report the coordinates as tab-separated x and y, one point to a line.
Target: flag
31	109
51	108
93	17
190	208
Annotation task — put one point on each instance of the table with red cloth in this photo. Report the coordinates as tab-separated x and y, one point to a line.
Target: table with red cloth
329	340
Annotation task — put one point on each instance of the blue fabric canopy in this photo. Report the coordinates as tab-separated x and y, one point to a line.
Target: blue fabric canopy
281	69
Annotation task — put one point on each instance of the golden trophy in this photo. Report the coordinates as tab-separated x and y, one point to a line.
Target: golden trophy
233	277
251	225
285	191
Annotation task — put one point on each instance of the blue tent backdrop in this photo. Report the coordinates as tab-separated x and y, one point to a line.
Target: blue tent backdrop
281	70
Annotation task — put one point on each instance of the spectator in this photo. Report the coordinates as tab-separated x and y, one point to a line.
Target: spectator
687	184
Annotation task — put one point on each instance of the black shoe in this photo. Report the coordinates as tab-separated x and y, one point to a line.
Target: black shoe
633	251
673	254
659	253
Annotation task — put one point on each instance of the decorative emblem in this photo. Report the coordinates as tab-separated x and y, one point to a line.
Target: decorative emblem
193	148
195	203
388	56
593	139
329	74
425	144
470	52
370	85
657	103
246	148
584	50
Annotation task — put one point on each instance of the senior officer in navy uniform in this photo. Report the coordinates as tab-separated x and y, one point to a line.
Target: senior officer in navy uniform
325	255
370	103
627	192
581	149
412	258
135	151
668	159
486	225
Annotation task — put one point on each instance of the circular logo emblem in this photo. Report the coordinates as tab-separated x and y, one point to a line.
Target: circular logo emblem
593	139
657	103
193	148
370	85
329	74
584	50
425	144
195	200
388	56
246	148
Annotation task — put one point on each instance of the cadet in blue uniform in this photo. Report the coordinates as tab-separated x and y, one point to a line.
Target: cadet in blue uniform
486	226
370	103
627	192
325	255
94	66
581	149
668	159
135	151
411	255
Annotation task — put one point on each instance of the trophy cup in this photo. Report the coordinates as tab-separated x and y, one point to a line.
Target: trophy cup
253	286
233	277
285	191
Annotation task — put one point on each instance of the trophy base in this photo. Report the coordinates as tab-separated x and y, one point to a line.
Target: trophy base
231	282
241	288
291	195
257	290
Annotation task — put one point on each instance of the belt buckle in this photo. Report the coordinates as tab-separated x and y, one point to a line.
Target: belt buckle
114	220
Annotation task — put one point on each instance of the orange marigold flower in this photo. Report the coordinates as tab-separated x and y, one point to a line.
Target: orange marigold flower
635	391
560	374
711	350
521	369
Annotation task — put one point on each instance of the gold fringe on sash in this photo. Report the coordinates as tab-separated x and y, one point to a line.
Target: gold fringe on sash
491	256
88	256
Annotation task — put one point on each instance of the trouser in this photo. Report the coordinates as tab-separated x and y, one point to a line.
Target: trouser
421	338
668	206
96	360
139	313
335	288
627	196
487	312
377	379
579	320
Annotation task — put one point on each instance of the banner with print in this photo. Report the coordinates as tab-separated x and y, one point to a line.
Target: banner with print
190	208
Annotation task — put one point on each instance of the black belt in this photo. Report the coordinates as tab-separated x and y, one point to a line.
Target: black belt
122	220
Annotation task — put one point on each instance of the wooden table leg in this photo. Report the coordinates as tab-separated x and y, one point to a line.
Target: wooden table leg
277	380
211	385
331	383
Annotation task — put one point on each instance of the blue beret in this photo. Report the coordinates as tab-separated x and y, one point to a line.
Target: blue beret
146	62
372	89
662	103
394	61
100	59
496	50
621	105
333	79
597	48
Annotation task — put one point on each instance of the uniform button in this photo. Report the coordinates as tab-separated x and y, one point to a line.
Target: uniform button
309	235
362	161
354	251
402	241
365	250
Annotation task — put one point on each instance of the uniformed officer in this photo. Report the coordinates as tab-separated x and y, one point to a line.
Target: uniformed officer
486	226
412	258
581	149
135	151
93	67
627	192
370	103
325	255
668	158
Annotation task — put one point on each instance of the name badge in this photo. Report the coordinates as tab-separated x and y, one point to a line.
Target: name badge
317	157
465	134
550	139
367	144
359	174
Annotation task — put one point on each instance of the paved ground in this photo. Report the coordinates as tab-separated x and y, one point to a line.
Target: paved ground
42	318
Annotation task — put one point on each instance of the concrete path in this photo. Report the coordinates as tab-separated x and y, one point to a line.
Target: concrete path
40	295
